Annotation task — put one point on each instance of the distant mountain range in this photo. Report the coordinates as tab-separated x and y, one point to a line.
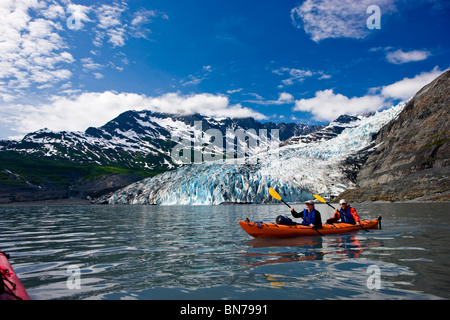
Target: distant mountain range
49	164
140	140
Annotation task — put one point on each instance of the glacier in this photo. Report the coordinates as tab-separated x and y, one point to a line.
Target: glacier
295	171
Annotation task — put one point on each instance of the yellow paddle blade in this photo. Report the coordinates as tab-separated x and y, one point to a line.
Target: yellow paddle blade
274	194
319	198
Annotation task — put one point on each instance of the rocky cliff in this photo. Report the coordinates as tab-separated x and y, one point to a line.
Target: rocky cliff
413	155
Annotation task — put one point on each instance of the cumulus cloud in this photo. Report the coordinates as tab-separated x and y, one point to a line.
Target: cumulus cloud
79	111
327	105
324	19
204	103
406	88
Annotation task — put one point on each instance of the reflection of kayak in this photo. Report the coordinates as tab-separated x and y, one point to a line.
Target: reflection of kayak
262	229
304	242
10	286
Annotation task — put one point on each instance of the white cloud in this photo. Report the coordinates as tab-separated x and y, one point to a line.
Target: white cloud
204	103
324	19
407	88
98	75
36	38
81	110
114	25
198	77
283	98
327	105
144	17
256	95
400	56
231	91
325	76
77	14
89	64
294	75
110	24
31	48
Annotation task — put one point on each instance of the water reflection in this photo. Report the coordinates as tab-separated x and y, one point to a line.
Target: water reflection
152	252
347	246
283	250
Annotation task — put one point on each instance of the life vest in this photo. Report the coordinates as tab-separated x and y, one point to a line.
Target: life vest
310	217
346	216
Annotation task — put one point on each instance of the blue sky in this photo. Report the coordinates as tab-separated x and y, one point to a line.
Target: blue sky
70	64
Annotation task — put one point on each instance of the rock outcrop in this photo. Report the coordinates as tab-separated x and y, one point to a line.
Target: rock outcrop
413	155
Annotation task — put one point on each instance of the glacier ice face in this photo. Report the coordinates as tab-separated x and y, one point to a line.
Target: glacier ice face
295	171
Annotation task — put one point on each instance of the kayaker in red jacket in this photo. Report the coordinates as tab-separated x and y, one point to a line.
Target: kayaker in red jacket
347	214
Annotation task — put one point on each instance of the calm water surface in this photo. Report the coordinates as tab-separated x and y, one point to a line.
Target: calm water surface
200	252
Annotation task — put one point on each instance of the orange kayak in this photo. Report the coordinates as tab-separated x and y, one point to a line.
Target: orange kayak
10	286
262	229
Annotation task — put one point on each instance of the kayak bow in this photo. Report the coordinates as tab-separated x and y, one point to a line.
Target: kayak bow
10	286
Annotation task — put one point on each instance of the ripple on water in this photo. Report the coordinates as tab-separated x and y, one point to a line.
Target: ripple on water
161	253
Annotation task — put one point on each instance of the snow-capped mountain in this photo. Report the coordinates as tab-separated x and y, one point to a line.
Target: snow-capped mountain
295	170
140	139
332	130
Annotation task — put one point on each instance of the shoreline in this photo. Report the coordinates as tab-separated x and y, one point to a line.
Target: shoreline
86	202
52	202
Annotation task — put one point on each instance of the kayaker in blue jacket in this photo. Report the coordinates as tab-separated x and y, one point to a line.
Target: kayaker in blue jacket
311	216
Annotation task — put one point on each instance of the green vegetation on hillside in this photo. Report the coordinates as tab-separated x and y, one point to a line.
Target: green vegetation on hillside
24	169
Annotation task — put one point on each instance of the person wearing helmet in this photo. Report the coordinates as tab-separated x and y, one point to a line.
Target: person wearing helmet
347	214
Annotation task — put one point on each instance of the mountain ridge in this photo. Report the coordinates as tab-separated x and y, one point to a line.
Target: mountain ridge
413	157
130	147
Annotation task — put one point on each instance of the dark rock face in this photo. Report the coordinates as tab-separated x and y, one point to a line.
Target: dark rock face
95	188
10	194
413	156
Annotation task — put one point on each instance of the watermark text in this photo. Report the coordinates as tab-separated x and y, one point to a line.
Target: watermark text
211	145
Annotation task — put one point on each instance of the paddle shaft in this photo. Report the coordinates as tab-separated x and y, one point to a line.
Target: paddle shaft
286	203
